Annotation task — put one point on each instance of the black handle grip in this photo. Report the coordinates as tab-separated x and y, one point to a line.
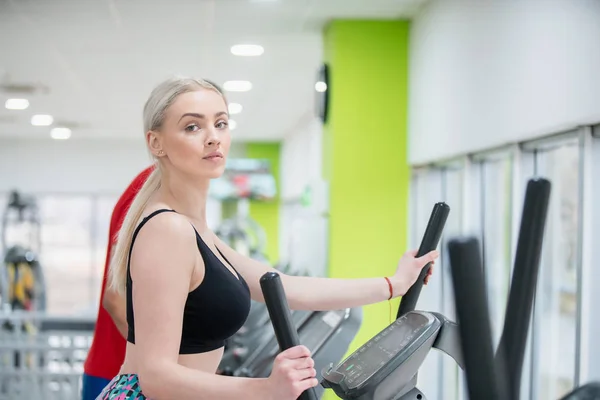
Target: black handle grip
430	241
524	281
281	318
485	379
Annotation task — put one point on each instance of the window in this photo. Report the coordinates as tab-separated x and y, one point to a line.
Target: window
66	256
496	220
73	238
453	177
590	348
556	307
486	198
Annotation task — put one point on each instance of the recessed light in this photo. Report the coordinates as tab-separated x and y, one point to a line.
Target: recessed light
235	108
320	87
247	50
232	124
16	104
60	133
237	86
42	120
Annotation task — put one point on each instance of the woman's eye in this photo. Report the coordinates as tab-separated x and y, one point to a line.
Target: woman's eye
192	128
221	125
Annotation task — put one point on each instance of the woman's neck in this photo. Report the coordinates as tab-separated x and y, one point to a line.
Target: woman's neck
186	196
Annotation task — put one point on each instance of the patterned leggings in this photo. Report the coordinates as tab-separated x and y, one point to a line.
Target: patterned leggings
123	387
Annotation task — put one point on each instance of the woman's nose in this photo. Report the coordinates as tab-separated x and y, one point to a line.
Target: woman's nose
212	138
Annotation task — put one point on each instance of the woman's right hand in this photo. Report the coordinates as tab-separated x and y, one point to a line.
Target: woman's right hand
293	372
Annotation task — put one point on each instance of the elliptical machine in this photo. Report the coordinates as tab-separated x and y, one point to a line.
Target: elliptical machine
385	368
375	352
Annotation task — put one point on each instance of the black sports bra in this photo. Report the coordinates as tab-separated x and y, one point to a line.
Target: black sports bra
213	311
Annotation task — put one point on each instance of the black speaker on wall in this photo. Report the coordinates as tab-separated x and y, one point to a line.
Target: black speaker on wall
322	89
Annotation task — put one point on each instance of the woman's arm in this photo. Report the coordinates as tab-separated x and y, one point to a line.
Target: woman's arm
319	294
162	263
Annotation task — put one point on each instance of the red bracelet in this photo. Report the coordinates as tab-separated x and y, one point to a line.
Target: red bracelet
390	286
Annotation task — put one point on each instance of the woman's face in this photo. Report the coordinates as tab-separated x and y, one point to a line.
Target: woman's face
194	136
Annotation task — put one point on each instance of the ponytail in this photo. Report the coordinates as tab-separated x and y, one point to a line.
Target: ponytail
120	258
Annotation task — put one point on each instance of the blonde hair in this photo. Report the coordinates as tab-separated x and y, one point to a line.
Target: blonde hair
161	98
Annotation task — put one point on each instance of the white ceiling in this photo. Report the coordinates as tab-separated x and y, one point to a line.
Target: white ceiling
94	62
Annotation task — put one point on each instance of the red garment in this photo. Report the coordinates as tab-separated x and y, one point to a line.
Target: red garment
107	352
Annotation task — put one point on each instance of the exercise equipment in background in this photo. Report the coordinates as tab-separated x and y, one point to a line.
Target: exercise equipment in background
244	179
22	284
243	233
26	288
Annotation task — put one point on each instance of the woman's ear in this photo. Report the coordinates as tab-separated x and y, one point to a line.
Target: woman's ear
155	144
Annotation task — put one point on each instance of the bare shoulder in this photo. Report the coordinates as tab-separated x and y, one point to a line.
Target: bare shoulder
165	240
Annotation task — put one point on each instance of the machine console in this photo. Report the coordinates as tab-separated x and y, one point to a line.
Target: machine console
369	365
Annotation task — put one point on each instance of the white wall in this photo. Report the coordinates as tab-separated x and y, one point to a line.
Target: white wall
486	73
74	166
301	158
303	230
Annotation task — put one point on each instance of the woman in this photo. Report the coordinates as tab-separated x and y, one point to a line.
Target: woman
186	290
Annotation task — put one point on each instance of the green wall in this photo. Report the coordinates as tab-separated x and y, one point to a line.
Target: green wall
365	155
266	214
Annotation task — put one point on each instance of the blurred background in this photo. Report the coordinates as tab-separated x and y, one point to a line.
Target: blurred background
350	119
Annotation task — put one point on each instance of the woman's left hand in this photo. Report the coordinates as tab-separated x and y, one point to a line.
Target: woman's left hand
409	268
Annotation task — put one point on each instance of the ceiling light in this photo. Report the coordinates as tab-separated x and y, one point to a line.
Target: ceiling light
247	50
237	86
232	124
42	120
60	133
320	87
17	104
235	108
